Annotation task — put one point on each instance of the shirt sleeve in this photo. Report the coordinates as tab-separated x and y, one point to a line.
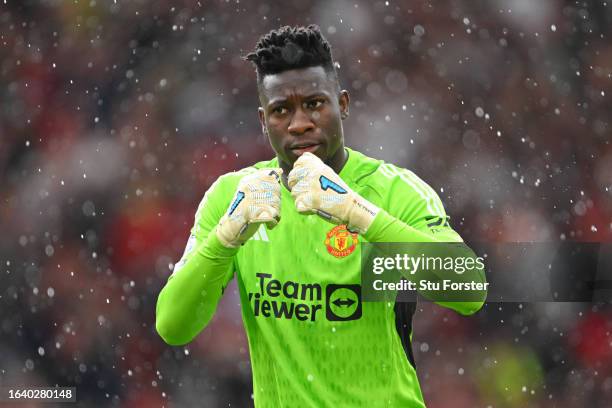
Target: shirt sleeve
413	212
189	299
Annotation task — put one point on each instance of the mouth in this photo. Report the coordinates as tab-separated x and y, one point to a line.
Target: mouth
300	148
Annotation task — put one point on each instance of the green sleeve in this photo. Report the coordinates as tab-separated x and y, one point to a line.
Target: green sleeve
190	297
416	214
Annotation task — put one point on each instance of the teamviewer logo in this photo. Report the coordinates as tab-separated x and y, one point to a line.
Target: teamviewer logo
342	302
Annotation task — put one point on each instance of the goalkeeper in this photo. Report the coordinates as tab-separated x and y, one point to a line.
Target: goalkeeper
289	230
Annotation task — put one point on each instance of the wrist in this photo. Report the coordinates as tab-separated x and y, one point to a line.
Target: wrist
215	248
362	214
224	239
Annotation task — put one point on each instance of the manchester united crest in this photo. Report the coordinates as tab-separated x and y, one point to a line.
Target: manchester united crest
340	242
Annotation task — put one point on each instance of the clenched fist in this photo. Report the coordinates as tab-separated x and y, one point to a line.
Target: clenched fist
317	189
257	201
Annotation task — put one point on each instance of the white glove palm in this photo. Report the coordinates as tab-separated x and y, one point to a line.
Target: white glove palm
257	201
317	189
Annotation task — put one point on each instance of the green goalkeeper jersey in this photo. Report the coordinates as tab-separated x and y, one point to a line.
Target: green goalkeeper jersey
312	341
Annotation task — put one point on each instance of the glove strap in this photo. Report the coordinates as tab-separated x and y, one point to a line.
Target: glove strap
362	215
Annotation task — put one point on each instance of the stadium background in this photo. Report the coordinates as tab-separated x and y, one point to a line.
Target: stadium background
117	116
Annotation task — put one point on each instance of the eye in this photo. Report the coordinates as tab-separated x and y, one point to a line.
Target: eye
279	110
315	104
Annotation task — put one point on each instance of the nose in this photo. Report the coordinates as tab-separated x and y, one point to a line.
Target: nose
300	123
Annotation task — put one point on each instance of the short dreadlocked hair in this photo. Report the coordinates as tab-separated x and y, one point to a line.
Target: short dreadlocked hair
292	48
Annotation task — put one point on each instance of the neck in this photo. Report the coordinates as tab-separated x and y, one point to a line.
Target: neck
338	160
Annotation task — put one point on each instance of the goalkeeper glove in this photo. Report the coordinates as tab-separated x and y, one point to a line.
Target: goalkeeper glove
317	189
257	201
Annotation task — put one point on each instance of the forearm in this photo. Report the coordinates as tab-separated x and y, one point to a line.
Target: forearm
188	301
386	228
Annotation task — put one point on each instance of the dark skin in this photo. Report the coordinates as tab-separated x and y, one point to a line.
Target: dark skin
302	110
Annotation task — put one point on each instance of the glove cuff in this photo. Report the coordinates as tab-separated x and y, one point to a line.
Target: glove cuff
361	215
213	247
225	236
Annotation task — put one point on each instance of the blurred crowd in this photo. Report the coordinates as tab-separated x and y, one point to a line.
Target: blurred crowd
116	116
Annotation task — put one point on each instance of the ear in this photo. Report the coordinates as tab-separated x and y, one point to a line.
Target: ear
262	121
343	101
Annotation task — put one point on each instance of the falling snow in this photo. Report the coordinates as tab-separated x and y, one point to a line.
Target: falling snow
118	116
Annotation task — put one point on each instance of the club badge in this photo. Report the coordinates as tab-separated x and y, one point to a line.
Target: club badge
340	242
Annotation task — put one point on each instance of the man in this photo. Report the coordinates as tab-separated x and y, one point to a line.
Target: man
290	230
